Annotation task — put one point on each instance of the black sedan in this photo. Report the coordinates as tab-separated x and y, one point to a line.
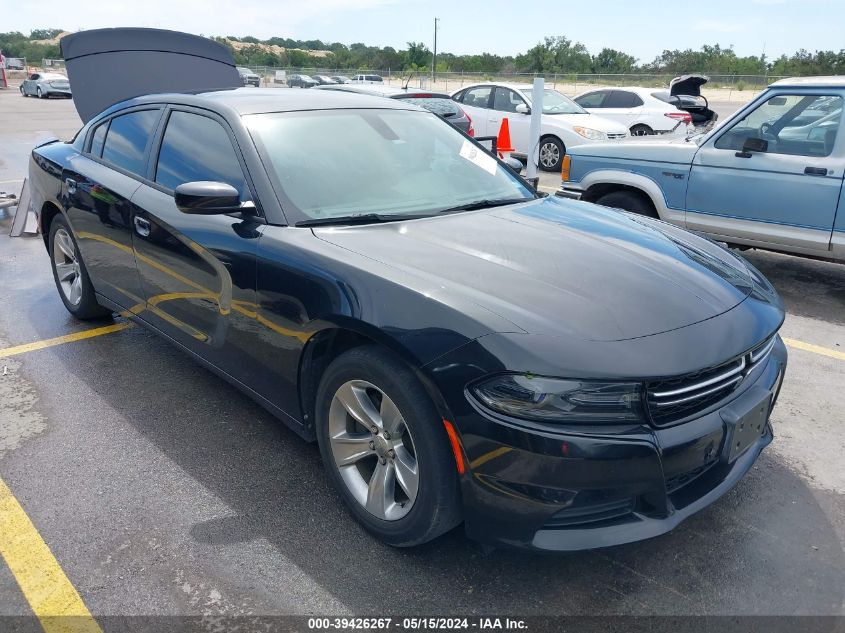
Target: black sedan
302	81
551	374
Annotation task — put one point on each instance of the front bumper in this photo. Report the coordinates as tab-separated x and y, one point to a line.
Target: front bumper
577	490
570	190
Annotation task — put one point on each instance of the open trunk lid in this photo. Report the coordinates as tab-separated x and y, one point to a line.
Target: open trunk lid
687	85
106	66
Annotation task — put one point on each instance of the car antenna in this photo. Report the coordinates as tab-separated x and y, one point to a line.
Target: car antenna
408	80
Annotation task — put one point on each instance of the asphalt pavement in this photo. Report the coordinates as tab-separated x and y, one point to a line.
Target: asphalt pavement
162	490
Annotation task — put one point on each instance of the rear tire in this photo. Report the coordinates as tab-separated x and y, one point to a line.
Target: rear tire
399	482
641	130
69	272
628	201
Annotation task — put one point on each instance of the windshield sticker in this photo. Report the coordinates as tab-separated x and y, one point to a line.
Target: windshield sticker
478	157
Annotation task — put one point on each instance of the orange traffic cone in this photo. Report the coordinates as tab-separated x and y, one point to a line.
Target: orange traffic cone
503	141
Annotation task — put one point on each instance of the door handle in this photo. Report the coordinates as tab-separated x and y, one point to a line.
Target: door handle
815	171
71	186
142	226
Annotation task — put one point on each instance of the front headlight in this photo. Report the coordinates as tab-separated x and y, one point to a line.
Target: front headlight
590	133
559	400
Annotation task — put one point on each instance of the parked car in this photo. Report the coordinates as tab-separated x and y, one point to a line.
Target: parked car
769	177
565	124
367	79
556	375
249	77
301	81
341	79
323	80
44	85
441	104
638	109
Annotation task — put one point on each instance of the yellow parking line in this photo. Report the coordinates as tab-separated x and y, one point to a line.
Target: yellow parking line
50	594
816	349
67	338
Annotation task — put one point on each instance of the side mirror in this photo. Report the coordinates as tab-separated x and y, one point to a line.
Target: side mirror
523	109
514	163
207	198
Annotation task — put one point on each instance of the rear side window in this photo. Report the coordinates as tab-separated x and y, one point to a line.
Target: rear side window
98	139
127	139
439	105
194	148
622	99
592	99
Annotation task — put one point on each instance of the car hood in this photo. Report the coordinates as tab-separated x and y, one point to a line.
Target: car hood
107	66
558	267
587	120
673	150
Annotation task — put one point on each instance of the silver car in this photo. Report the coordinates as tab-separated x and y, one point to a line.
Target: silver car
43	85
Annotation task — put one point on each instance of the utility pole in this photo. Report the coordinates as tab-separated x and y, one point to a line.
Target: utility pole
434	55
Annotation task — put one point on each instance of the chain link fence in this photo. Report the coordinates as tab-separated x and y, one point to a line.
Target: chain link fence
720	87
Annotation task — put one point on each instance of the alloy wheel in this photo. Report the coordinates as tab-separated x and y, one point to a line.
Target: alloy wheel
549	154
68	270
373	450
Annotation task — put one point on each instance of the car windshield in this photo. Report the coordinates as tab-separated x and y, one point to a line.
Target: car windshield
395	163
556	103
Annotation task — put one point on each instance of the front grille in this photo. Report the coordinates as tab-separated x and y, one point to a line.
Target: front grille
677	398
591	513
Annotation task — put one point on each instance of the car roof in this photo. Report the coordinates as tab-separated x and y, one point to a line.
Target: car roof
258	100
833	81
382	90
638	89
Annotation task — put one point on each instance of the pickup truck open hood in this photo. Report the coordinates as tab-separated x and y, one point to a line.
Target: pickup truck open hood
107	66
559	268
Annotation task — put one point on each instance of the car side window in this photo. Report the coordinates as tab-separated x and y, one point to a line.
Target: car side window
592	99
126	139
796	125
98	139
478	97
180	162
506	100
622	99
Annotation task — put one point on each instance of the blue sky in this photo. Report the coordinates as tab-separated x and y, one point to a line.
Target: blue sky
643	28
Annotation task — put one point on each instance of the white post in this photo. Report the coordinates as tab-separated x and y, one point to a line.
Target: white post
534	130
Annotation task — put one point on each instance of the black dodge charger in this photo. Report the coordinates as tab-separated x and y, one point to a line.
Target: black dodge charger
552	374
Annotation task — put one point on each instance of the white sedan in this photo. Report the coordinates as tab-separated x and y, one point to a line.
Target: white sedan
644	111
564	122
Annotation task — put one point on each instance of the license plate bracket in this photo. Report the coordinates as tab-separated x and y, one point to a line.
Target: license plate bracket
749	427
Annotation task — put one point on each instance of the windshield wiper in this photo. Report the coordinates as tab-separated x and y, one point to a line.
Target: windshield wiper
363	218
485	204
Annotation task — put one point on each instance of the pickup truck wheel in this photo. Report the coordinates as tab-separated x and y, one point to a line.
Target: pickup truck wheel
552	152
72	281
628	201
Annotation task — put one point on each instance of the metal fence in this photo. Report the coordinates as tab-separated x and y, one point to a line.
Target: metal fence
568	83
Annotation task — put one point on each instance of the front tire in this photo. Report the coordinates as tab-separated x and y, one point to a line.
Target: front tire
628	201
641	130
551	154
40	94
385	448
23	92
71	277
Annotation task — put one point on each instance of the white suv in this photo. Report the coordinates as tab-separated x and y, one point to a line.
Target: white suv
564	123
367	79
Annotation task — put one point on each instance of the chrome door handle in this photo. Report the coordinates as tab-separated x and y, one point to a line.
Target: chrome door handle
142	226
71	186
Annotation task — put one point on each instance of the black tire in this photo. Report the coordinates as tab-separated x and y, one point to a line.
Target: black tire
87	307
641	130
628	201
547	142
39	93
23	94
436	508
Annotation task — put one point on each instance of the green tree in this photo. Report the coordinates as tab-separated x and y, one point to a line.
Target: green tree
611	61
